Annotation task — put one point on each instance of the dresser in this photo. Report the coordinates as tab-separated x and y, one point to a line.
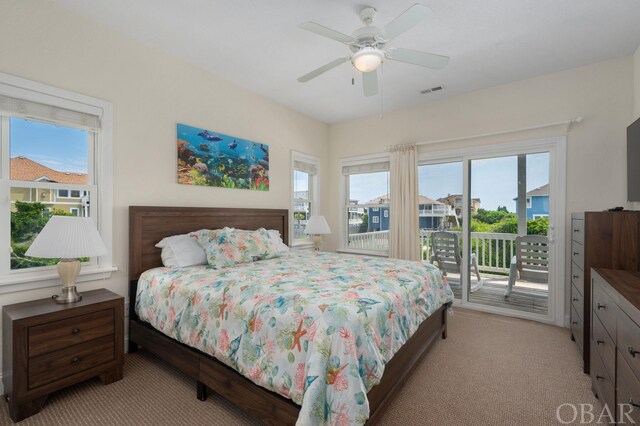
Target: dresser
47	346
615	342
608	240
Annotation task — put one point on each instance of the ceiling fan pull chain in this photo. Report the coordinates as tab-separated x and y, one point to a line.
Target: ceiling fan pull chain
381	91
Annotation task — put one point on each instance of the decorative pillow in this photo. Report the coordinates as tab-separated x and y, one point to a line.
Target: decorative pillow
228	247
181	250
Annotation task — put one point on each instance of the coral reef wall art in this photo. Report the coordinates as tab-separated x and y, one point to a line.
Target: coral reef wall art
213	159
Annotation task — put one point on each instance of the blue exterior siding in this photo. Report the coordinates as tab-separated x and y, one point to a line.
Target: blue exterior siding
539	206
383	222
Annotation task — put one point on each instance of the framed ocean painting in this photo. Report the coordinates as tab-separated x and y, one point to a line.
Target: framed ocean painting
213	159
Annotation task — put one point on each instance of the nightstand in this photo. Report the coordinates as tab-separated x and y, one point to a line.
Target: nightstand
47	347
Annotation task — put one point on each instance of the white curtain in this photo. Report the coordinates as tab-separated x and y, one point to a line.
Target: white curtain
404	227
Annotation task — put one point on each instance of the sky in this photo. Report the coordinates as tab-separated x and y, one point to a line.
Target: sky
493	180
60	148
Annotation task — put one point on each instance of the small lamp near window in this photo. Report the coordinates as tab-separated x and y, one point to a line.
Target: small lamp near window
317	226
68	238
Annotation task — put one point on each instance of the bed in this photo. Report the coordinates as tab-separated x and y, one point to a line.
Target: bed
262	394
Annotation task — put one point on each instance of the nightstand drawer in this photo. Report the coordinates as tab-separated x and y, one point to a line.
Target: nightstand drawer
56	335
577	276
53	366
577	328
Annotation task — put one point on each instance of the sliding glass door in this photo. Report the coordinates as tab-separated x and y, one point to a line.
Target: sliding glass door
499	235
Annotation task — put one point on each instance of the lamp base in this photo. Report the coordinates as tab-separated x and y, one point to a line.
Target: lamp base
68	295
317	242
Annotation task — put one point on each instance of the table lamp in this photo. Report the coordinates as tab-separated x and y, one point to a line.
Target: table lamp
68	238
317	226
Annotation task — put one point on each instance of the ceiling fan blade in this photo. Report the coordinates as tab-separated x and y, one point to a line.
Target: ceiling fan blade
416	57
327	32
407	20
370	83
322	69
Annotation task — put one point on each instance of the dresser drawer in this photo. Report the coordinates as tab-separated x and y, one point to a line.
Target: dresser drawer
577	253
577	230
602	384
629	341
577	328
56	335
53	366
628	392
577	277
604	308
605	346
577	301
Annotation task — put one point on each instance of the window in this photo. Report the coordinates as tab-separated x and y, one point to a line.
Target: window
305	195
366	190
528	202
50	141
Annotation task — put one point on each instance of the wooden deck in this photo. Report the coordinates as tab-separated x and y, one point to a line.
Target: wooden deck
525	297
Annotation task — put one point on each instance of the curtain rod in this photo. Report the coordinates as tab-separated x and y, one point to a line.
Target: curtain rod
567	123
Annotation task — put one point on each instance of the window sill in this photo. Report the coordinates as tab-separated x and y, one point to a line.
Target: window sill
363	252
27	281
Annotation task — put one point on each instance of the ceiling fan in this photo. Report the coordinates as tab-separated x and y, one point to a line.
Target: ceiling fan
368	46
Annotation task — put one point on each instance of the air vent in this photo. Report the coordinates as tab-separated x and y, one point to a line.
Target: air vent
433	89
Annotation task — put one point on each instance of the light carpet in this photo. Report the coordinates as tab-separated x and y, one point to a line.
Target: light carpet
491	370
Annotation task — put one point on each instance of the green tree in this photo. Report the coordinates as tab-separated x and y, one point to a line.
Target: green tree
539	226
492	216
364	226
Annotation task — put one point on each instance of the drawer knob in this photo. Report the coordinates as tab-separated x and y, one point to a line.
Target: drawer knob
75	331
75	360
633	352
576	230
599	341
574	322
599	377
575	253
576	276
601	306
633	404
575	299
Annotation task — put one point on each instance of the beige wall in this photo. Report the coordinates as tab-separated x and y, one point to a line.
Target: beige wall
596	148
636	81
151	92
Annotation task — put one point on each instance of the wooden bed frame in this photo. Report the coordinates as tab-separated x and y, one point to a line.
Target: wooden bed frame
148	225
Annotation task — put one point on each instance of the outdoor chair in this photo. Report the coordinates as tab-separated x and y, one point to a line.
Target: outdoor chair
446	252
530	262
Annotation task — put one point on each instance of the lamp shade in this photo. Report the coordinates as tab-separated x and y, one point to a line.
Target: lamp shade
317	225
68	237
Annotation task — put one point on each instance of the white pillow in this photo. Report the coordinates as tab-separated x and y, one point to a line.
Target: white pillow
181	250
280	246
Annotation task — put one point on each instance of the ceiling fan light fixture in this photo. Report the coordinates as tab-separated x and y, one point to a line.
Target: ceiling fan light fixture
367	59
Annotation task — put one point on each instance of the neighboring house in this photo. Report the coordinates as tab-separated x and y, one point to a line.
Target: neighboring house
71	201
455	201
537	203
432	214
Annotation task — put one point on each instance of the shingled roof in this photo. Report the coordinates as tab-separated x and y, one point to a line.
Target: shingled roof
23	168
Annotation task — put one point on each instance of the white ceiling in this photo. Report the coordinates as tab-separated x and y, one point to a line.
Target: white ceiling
258	45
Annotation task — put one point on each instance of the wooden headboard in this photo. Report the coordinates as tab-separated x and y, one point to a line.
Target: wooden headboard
150	224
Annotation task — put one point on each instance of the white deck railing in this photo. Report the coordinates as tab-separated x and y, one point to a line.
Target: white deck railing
493	250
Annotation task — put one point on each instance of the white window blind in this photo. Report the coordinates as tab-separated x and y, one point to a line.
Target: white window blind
305	167
380	166
50	114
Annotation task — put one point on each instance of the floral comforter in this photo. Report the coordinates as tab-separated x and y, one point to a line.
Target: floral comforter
315	328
